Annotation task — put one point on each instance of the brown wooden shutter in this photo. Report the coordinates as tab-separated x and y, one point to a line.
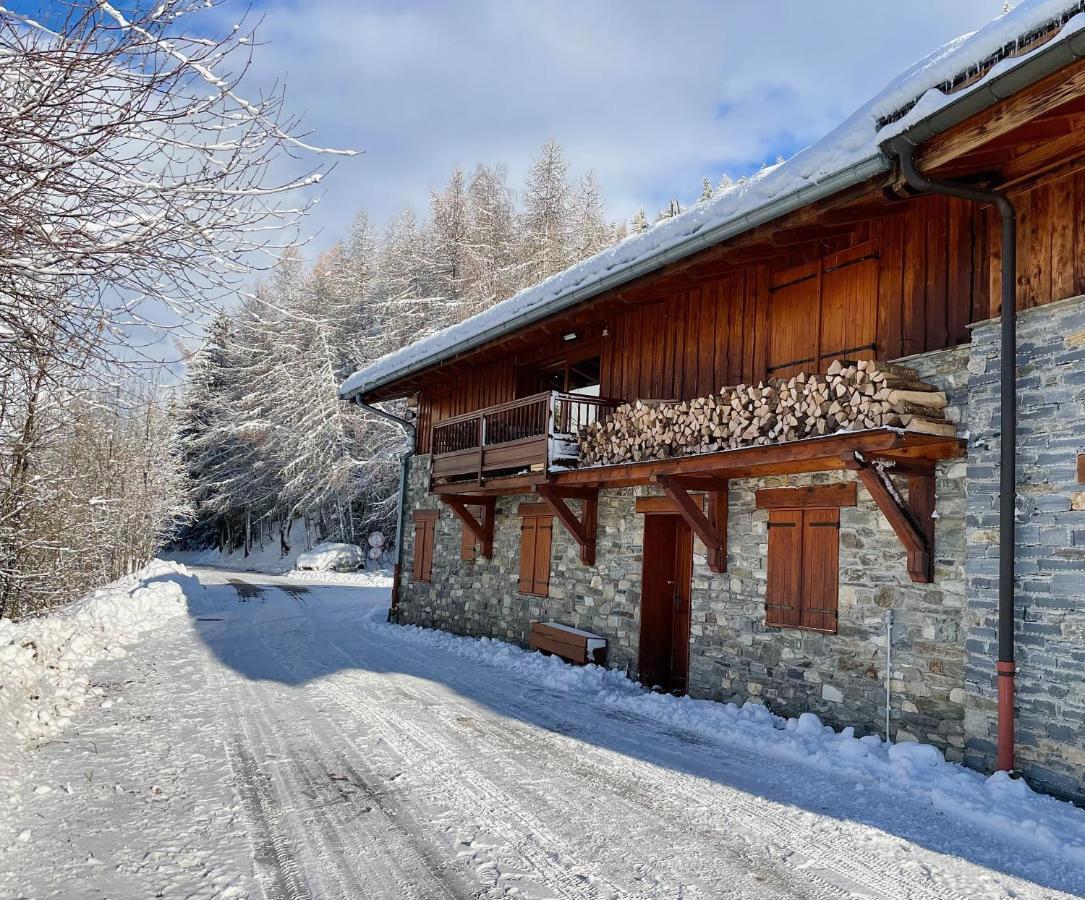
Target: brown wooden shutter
425	522
468	541
783	592
793	320
544	530
527	553
820	568
849	305
535	539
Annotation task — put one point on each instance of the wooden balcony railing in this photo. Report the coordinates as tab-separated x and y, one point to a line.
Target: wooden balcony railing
532	434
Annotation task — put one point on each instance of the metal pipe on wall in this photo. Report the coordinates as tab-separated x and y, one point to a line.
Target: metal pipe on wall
888	667
904	149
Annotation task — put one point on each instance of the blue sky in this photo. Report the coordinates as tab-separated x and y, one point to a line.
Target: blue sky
652	95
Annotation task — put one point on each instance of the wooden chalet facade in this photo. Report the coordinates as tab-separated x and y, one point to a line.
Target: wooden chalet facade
766	572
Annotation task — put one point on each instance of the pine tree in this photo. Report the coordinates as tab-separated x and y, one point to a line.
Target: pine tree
706	190
639	223
672	209
546	215
491	239
590	231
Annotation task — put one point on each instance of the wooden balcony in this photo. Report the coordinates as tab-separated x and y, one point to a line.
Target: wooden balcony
530	437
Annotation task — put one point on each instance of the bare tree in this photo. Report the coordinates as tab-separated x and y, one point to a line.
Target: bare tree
135	178
139	186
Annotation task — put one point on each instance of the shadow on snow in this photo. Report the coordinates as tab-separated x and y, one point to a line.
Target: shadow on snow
332	637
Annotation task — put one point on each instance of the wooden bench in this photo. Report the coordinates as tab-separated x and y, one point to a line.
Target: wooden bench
569	643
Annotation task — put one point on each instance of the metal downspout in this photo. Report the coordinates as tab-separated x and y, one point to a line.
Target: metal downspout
404	462
904	149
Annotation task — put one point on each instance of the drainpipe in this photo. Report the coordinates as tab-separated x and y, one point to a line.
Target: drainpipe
904	149
404	462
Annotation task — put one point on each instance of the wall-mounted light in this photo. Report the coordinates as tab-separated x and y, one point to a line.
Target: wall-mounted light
571	336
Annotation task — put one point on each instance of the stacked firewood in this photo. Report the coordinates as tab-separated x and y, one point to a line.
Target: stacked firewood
850	396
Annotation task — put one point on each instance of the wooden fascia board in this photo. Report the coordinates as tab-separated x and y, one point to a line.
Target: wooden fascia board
820	496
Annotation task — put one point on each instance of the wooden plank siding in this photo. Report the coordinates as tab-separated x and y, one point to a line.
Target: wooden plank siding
906	281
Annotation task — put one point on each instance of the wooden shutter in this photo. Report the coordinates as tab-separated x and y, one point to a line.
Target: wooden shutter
803	568
820	568
793	320
535	539
783	592
425	522
849	305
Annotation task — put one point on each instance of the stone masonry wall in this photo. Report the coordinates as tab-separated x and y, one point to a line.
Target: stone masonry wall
733	654
1050	542
944	640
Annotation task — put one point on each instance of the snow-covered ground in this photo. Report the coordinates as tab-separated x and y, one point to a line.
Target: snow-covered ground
279	739
267	557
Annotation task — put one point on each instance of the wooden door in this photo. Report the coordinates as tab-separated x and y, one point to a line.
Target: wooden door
665	602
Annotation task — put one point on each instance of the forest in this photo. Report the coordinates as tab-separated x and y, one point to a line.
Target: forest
264	437
140	212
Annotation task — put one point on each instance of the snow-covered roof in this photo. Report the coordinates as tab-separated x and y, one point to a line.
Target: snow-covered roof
847	155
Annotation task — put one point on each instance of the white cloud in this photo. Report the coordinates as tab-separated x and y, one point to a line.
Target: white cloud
652	95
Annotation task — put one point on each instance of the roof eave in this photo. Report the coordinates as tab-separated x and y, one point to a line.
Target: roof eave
853	175
1042	62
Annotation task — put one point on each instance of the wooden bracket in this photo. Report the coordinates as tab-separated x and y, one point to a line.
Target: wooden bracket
711	528
911	520
484	530
582	529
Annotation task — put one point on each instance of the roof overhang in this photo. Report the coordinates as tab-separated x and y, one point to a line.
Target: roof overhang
995	88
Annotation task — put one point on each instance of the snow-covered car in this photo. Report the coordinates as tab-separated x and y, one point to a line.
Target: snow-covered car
332	557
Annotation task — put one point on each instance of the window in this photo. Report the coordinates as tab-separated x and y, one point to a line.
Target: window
425	523
803	568
536	529
580	377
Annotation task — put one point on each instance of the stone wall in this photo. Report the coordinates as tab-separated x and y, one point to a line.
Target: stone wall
944	642
1050	541
733	654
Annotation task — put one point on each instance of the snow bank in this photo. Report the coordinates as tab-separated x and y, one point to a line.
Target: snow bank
45	662
857	140
330	556
376	578
997	803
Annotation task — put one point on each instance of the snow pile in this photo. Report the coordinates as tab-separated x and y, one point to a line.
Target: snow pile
45	662
997	803
331	556
855	142
375	578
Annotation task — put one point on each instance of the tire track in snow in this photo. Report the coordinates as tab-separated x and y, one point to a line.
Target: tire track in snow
455	757
827	857
423	753
390	849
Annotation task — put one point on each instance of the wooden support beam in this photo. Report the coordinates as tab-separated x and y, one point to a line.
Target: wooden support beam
582	529
823	496
911	520
921	505
484	530
708	530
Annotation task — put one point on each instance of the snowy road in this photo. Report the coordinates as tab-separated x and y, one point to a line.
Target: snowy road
280	744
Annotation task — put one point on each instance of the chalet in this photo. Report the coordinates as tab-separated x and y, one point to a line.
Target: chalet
613	450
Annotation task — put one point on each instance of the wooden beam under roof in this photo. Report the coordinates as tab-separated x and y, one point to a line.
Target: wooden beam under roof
1033	102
